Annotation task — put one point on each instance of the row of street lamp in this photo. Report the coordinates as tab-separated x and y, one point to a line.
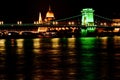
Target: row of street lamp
36	22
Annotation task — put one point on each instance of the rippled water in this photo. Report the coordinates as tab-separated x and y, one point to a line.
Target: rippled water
84	58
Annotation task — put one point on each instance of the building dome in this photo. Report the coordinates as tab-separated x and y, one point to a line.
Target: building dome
49	15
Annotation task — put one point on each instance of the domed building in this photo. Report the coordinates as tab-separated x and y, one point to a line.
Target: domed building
49	15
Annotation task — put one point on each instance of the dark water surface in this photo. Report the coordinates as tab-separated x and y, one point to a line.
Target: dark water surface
85	58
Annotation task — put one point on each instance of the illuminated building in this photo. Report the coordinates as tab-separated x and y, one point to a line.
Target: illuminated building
40	19
48	18
49	15
87	17
116	22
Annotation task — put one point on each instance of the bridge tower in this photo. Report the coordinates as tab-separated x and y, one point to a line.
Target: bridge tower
87	17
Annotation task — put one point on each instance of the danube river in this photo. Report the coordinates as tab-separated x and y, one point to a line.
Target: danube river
84	58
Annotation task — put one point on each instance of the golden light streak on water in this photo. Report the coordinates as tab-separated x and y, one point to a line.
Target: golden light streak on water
20	77
37	77
36	45
71	60
104	42
20	46
71	71
55	42
20	43
71	42
2	46
117	41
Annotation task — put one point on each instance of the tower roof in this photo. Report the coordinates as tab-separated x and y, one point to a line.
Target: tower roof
49	13
40	18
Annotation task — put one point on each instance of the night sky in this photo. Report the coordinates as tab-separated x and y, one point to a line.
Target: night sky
28	10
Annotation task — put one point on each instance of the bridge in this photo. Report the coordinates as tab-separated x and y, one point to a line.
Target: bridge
72	23
87	20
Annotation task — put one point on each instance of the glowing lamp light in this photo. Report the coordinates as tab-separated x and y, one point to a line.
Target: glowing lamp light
1	22
19	22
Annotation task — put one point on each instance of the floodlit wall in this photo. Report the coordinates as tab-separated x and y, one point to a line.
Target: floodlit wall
87	17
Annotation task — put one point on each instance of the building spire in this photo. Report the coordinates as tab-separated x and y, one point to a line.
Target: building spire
40	18
49	15
49	8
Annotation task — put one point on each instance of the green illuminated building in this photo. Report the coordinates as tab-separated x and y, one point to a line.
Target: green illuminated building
87	17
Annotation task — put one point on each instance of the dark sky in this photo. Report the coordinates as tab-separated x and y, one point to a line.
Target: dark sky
28	10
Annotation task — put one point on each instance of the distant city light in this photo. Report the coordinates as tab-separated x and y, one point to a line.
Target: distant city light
19	22
1	22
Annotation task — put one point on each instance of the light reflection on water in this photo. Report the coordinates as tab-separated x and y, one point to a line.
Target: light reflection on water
87	61
85	58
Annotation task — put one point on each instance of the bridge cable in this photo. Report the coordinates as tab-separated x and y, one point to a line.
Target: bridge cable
104	17
67	18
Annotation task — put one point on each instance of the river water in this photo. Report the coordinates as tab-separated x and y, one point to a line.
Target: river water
84	58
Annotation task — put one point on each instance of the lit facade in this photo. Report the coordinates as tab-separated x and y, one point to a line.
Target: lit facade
87	17
116	22
40	19
49	15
